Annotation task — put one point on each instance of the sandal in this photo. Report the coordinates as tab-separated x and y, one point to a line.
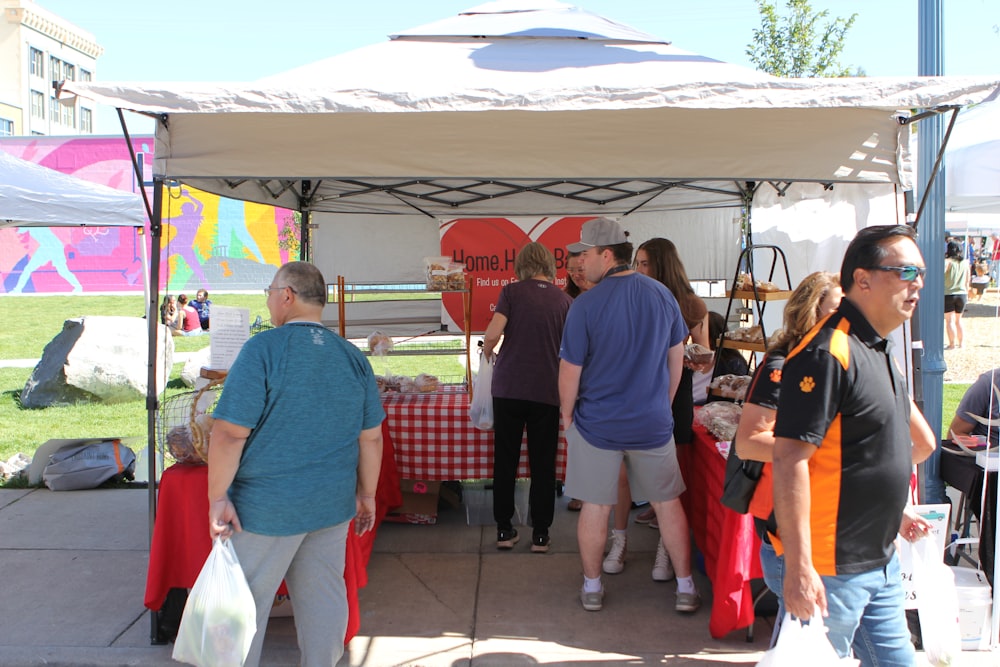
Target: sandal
574	505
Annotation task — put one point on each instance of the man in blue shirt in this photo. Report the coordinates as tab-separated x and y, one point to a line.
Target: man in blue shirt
294	455
203	305
621	358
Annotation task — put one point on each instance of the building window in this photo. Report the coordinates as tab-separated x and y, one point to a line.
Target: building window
85	75
37	104
86	120
37	62
69	72
54	109
6	128
55	69
68	114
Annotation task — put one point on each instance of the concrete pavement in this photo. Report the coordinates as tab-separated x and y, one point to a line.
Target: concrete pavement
74	570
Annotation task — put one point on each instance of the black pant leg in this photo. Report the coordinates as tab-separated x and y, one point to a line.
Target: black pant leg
543	442
508	431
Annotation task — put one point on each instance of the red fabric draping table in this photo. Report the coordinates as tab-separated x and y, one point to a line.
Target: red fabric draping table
435	440
181	542
727	540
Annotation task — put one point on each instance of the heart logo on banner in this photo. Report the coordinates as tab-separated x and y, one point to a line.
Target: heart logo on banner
488	247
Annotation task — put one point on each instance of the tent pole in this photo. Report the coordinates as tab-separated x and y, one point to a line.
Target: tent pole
928	333
153	322
305	227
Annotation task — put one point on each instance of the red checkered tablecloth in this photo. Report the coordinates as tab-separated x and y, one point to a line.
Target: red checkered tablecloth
435	440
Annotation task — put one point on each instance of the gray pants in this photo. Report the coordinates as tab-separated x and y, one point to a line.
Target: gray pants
312	565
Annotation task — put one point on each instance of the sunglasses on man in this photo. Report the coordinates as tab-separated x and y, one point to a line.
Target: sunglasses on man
907	273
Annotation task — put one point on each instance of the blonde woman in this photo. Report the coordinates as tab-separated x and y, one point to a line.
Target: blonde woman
816	297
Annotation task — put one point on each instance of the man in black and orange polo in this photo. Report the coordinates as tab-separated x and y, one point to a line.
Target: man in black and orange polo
844	454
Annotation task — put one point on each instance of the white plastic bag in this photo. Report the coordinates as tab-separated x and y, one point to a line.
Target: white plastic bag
220	617
804	644
937	604
481	408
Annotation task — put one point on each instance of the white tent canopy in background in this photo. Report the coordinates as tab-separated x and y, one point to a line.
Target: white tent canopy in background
508	110
972	162
35	196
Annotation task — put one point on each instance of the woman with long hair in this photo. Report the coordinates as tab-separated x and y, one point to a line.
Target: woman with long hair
956	290
816	297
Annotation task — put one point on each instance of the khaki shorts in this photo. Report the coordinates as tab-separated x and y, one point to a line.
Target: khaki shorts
592	473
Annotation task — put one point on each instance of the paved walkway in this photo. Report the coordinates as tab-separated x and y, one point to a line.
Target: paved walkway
74	567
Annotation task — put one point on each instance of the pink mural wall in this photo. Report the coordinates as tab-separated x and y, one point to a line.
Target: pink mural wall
208	241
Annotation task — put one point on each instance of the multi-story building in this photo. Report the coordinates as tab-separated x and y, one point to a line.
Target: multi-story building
37	50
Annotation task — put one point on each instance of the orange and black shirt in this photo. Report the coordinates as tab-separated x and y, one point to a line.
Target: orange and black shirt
842	392
765	388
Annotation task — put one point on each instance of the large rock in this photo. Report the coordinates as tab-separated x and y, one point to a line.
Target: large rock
192	367
97	358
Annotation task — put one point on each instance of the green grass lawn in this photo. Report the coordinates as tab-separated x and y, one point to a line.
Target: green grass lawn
950	399
27	324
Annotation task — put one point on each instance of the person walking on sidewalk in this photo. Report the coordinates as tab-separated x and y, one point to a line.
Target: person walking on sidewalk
956	292
294	456
621	357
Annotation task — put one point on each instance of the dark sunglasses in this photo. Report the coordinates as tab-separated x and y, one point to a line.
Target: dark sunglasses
907	273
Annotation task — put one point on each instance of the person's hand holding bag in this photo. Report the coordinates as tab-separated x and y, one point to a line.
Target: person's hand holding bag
220	617
804	644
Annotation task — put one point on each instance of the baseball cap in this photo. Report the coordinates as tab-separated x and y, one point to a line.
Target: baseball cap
599	232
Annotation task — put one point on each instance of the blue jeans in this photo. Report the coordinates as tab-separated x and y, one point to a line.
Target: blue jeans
773	567
866	614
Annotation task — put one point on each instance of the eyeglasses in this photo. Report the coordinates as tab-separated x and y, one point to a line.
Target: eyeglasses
907	273
267	290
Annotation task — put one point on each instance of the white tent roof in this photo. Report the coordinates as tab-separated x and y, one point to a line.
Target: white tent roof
526	108
972	161
36	196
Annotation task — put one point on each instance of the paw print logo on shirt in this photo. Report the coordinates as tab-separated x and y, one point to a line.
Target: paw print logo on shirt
807	384
776	376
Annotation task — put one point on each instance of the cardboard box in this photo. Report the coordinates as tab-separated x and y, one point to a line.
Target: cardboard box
420	502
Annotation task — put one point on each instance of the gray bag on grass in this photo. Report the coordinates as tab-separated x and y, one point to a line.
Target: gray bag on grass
89	465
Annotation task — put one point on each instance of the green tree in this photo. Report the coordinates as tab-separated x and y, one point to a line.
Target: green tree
802	43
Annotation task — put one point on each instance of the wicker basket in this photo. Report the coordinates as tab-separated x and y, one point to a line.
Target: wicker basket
184	423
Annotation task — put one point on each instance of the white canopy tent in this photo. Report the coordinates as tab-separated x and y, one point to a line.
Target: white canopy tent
526	108
972	163
35	196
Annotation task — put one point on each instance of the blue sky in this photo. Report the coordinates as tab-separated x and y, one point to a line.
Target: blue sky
243	40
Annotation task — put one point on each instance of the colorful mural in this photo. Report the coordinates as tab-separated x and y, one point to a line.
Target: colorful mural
208	241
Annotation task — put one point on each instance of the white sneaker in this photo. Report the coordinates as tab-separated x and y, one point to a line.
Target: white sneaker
662	569
615	561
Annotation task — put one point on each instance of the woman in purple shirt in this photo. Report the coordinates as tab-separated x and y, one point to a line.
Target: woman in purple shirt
529	315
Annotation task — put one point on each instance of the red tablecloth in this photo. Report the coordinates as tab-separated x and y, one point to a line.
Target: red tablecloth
727	540
181	542
435	440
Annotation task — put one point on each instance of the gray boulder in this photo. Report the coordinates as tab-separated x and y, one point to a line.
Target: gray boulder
97	358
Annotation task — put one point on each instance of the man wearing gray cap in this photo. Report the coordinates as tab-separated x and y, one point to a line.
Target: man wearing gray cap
621	358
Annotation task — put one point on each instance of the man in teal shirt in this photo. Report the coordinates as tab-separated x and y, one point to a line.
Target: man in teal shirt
294	455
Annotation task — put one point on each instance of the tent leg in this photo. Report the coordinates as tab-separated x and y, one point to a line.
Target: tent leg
153	322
